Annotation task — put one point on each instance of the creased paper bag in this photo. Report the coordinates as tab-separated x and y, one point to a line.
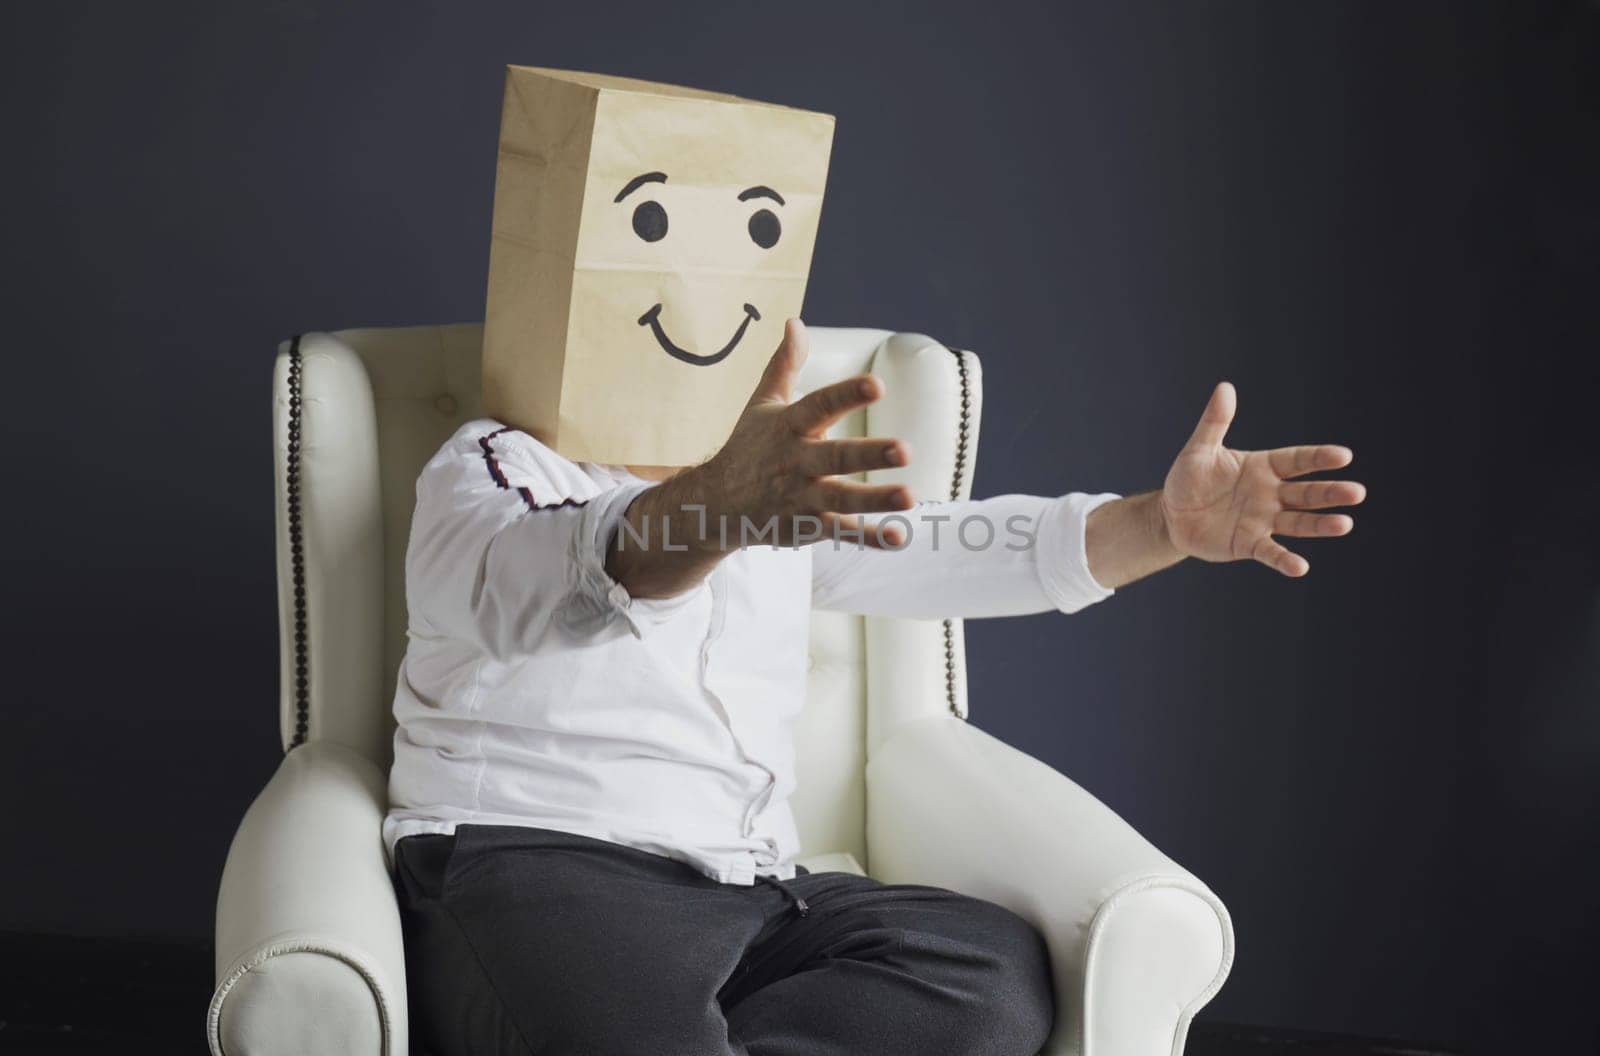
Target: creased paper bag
649	241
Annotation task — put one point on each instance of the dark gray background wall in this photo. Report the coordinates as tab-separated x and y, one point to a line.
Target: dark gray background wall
1378	220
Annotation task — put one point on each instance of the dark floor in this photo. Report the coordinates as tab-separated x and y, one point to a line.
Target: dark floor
60	994
1231	1039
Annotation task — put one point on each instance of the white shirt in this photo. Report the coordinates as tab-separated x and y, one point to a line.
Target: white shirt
536	691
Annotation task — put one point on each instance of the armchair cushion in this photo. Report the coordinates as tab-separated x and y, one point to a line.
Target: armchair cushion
837	862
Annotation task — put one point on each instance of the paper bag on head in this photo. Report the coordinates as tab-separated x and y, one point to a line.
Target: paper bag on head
649	242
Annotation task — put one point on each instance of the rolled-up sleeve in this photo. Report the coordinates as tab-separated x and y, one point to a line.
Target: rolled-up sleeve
502	550
1062	554
1006	556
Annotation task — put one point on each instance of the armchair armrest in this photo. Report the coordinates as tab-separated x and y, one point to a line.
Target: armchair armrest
1137	944
309	951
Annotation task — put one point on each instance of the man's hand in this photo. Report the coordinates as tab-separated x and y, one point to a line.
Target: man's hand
1219	504
777	464
776	469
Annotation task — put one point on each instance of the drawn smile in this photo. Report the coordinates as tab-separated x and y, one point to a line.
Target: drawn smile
653	321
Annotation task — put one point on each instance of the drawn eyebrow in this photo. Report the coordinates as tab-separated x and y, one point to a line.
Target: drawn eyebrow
762	192
639	181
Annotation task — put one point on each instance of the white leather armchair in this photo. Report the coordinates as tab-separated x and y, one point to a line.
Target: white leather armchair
892	778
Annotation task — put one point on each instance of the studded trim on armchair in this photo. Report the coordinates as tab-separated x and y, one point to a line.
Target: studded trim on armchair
963	440
297	551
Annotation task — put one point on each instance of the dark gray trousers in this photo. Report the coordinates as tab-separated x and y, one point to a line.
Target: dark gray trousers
523	941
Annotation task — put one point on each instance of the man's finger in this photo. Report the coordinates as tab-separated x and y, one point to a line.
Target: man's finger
1304	525
1217	416
837	495
1279	558
824	458
813	414
777	381
1321	494
848	529
1308	458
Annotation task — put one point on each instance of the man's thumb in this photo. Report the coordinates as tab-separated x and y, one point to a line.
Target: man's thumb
777	381
1216	418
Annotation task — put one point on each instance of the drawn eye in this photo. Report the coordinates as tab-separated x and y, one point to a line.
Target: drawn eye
650	222
764	228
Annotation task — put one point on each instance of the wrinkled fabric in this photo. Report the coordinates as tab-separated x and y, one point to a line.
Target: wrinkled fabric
535	691
530	941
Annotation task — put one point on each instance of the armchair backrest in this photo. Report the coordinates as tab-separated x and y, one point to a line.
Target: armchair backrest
358	412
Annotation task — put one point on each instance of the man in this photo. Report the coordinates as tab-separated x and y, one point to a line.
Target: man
590	828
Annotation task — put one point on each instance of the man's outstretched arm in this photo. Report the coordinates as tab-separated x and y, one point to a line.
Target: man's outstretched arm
1217	504
1220	504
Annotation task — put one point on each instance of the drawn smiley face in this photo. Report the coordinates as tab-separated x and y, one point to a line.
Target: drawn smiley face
651	224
